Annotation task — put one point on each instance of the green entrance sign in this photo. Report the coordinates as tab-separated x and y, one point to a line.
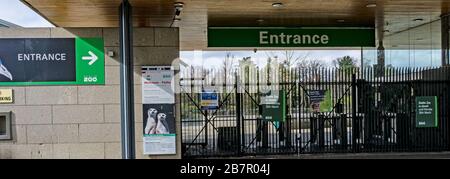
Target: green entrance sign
47	61
274	106
290	37
426	111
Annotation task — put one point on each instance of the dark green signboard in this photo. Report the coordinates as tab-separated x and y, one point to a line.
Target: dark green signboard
426	111
46	61
290	37
274	106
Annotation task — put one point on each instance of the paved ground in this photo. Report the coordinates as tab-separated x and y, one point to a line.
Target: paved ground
428	155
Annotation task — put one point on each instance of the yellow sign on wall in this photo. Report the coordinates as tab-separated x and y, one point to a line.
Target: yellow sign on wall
6	96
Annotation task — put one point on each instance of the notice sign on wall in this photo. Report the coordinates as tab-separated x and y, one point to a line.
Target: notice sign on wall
426	111
274	105
6	96
158	85
158	98
46	61
209	99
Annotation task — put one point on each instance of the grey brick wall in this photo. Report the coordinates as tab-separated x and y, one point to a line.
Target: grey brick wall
83	121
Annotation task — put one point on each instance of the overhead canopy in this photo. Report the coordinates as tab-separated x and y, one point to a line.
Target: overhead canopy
396	16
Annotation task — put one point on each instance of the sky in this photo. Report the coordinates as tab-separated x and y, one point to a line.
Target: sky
214	59
16	12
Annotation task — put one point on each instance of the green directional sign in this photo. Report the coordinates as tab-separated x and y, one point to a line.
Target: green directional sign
90	61
426	111
47	61
290	37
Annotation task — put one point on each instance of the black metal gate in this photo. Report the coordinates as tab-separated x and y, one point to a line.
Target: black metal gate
327	110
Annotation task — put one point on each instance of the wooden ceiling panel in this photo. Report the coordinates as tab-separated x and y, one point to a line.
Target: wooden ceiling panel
393	15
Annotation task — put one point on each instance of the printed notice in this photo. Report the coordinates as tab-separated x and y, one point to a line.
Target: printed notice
426	111
158	85
163	144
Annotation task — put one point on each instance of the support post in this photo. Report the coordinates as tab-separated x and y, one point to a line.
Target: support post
126	81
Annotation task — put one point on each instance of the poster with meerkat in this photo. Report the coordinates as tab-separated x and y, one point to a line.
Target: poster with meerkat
159	119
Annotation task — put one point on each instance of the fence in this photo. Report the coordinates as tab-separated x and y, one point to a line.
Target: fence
322	110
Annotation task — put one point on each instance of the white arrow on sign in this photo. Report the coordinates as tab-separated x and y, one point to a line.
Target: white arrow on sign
93	58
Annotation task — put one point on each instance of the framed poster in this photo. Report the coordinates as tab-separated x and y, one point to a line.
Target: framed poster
158	98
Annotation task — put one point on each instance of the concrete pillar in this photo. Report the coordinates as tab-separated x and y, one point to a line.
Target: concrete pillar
380	59
445	28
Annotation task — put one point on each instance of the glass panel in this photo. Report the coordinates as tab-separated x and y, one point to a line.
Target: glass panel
417	46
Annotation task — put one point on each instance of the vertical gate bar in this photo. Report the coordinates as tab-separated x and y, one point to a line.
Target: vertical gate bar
446	116
206	127
405	110
407	95
406	76
384	108
431	87
436	132
446	103
258	120
341	86
329	130
440	97
298	136
182	136
281	86
418	91
238	114
288	106
369	99
408	119
440	116
329	115
431	131
213	120
355	124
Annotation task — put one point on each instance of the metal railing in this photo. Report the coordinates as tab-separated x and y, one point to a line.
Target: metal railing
327	110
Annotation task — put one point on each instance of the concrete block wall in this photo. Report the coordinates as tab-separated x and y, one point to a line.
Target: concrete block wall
73	122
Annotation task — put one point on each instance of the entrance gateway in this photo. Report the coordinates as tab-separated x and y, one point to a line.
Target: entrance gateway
325	110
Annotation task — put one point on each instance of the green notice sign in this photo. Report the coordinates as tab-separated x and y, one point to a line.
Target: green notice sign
290	37
426	111
274	106
52	61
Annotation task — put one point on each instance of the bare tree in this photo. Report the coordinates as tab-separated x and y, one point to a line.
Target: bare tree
227	67
288	57
309	69
345	62
291	58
